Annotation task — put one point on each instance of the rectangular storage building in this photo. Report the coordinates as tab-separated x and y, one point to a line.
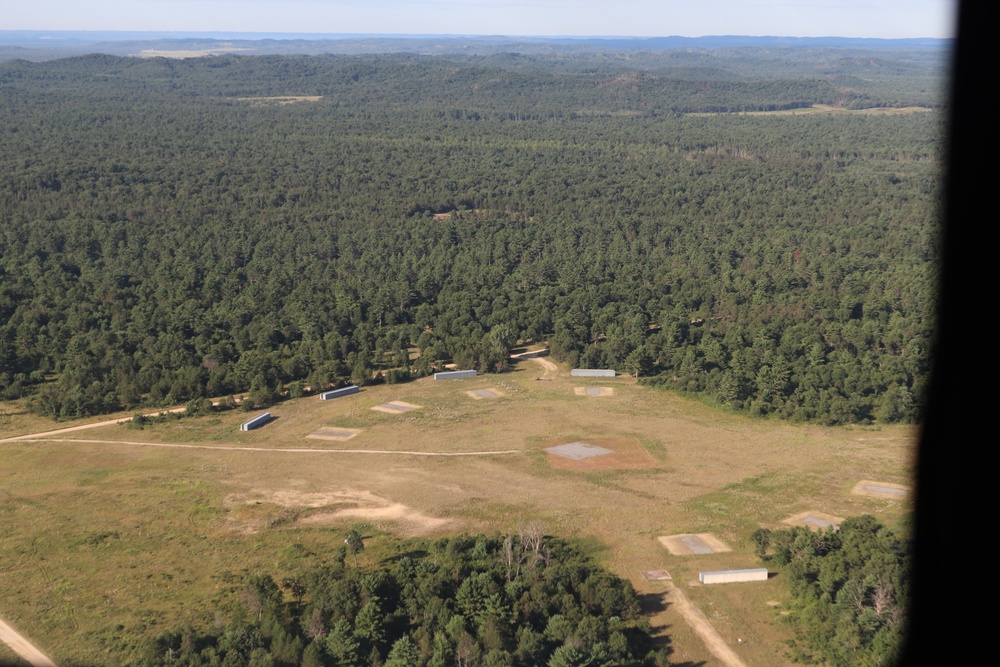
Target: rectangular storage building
592	372
337	393
731	576
454	375
256	422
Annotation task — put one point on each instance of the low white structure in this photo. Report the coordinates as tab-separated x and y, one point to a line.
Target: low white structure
592	372
337	393
256	422
733	576
454	375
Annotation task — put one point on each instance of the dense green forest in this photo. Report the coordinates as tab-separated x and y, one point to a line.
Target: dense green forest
850	589
524	600
165	236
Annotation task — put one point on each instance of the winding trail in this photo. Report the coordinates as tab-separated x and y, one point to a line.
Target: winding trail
538	357
23	646
293	450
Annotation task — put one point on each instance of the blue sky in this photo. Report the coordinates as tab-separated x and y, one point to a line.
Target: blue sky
693	18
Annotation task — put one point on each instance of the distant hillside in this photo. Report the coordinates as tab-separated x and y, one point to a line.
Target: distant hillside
175	229
50	45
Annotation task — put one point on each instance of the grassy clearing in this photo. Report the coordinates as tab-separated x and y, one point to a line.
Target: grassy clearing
822	109
108	542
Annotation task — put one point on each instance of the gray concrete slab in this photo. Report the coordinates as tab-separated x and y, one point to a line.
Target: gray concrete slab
578	451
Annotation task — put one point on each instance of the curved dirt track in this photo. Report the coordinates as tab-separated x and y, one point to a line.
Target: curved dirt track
23	647
293	450
538	357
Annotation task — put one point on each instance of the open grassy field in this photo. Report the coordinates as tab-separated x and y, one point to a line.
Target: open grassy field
104	539
820	109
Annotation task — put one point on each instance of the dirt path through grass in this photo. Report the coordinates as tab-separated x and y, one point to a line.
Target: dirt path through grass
23	647
74	429
294	450
703	628
547	365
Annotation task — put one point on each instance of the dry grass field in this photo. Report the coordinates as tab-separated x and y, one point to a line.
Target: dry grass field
279	100
823	109
105	538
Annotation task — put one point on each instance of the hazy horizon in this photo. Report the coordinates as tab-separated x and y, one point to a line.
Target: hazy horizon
879	19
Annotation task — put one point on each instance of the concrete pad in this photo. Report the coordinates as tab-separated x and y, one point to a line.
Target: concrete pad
593	391
697	547
656	575
479	394
396	407
814	520
867	487
689	544
577	451
330	433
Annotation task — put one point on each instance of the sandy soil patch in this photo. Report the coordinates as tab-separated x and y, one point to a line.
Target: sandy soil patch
593	391
396	407
625	454
480	394
279	100
821	109
332	433
714	642
867	487
814	520
693	544
346	504
23	647
380	512
538	356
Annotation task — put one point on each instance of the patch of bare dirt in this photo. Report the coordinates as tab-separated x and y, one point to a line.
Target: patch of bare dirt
813	520
330	433
23	647
703	628
347	504
279	100
867	487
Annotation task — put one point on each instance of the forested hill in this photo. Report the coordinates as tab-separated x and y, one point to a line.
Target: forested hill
171	231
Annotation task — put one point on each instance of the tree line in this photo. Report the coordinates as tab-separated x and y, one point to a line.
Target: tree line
523	599
849	587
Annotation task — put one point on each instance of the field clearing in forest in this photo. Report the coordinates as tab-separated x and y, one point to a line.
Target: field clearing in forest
279	100
106	541
820	109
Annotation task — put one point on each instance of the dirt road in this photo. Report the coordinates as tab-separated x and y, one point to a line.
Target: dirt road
74	429
538	357
300	450
714	642
24	648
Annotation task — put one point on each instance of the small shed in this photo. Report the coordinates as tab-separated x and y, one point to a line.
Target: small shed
256	422
454	375
593	372
733	576
337	393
